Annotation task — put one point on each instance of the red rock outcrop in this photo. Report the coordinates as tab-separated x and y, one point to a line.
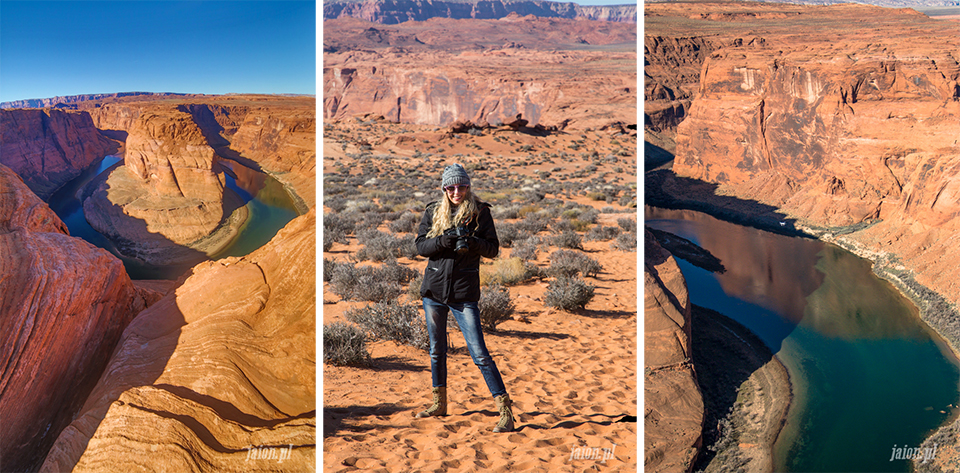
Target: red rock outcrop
275	133
221	367
63	305
673	405
857	123
398	11
168	197
459	70
48	148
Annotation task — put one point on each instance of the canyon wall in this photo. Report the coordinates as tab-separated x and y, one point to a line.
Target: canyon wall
673	404
72	101
48	148
563	73
168	197
63	306
398	11
222	366
843	117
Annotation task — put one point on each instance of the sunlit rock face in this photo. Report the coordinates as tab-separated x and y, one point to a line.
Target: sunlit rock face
214	374
49	147
673	410
837	115
63	305
168	197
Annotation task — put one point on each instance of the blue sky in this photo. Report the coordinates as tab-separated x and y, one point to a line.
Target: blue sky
213	47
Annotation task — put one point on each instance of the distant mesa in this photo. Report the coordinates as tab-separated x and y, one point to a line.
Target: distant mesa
398	11
70	101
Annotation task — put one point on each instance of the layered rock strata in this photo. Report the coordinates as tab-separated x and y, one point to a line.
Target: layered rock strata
442	71
63	305
166	204
380	11
673	404
855	126
48	148
217	376
275	134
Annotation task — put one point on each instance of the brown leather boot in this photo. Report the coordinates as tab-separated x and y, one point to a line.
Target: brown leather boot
506	414
439	407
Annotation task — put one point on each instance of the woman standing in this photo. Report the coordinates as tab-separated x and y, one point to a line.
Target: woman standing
451	282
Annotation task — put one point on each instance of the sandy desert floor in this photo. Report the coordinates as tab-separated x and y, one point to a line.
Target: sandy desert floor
572	375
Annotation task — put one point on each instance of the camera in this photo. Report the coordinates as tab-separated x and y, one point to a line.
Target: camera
460	232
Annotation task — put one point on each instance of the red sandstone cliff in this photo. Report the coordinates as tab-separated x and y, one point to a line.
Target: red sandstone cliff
63	306
224	365
857	123
397	11
48	148
554	72
673	405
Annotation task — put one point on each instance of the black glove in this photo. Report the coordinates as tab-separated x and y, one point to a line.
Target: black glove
447	241
473	243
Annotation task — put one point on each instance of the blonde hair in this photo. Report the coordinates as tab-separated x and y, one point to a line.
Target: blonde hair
443	217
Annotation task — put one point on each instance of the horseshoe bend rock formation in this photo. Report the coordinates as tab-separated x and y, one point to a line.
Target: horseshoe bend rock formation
555	72
168	199
49	147
673	416
63	306
277	133
841	116
224	365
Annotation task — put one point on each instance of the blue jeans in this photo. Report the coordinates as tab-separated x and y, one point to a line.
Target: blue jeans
468	317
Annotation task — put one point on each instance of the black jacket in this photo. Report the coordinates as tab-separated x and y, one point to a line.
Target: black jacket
450	277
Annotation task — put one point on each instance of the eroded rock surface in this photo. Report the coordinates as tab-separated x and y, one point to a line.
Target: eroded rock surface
166	204
224	365
63	305
389	12
856	124
442	71
673	405
47	148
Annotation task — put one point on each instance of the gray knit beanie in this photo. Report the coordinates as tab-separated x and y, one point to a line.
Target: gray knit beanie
454	174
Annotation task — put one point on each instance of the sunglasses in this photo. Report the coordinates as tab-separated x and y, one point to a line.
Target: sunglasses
461	188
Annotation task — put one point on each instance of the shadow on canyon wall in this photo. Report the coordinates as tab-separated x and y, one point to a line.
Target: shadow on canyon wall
665	189
139	359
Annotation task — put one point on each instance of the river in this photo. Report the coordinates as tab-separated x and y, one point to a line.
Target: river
868	375
268	204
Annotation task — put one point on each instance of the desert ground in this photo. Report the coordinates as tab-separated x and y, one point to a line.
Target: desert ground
572	373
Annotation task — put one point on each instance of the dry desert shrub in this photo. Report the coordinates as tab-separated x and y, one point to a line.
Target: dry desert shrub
627	224
390	320
571	263
407	222
380	246
625	242
506	272
568	293
345	345
367	283
601	233
568	239
526	249
495	306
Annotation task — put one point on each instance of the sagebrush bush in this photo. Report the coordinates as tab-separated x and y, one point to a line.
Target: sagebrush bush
413	290
568	293
568	239
506	272
601	233
495	306
367	283
525	249
627	224
507	233
391	320
571	263
408	222
533	224
380	246
625	242
345	345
